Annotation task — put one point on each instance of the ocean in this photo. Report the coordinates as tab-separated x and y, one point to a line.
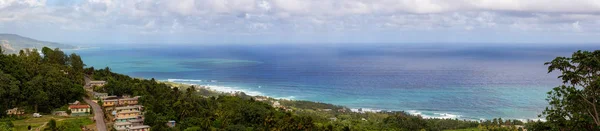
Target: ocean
463	81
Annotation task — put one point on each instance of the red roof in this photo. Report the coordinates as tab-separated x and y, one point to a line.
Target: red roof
78	106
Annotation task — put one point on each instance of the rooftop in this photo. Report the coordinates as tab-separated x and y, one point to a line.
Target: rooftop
123	112
129	107
122	123
138	127
78	106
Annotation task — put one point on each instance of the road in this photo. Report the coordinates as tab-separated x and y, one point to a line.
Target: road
98	112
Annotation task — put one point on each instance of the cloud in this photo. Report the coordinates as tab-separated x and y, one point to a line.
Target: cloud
303	16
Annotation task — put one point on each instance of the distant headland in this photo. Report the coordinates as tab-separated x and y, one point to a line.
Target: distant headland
13	43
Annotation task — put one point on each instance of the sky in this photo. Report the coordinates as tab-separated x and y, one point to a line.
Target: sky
303	21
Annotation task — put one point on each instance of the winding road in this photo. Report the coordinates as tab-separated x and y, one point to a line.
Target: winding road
98	112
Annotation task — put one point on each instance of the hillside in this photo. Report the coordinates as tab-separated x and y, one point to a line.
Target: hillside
12	43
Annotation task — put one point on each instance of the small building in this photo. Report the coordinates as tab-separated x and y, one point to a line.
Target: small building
15	112
97	83
60	113
122	126
129	101
99	95
109	103
139	128
126	114
276	104
128	118
109	97
136	122
79	110
171	123
129	108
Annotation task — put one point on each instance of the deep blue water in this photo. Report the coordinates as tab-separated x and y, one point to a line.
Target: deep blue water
435	80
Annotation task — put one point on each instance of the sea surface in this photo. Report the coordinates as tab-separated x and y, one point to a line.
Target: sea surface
464	81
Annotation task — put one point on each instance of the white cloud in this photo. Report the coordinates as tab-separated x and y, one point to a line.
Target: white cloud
260	16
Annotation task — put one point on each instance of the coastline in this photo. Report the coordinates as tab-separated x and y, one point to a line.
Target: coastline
225	90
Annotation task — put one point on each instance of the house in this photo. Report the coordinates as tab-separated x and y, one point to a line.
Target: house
139	128
129	101
97	83
171	123
109	97
109	103
128	119
60	113
276	104
136	122
126	114
129	108
122	126
99	95
15	111
79	110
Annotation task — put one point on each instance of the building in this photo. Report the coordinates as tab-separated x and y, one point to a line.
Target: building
129	108
109	103
171	123
79	110
122	126
127	114
97	83
15	111
99	95
139	128
136	122
129	101
60	113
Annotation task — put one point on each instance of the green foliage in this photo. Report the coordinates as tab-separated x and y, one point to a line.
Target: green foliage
309	105
39	84
574	105
6	125
52	126
74	124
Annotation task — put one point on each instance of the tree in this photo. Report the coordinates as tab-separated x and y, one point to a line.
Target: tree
574	104
9	88
52	126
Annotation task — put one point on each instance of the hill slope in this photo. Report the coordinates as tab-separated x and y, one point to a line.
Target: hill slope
12	43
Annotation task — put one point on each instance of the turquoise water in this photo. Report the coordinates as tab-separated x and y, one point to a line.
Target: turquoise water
433	81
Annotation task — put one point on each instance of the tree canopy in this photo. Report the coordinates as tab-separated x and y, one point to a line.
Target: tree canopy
39	83
574	104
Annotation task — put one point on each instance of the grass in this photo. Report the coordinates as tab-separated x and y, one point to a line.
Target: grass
74	124
21	125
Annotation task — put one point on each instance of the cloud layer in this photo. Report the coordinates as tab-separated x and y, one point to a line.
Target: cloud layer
262	17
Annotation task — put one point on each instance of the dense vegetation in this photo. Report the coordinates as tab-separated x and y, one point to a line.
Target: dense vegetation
39	83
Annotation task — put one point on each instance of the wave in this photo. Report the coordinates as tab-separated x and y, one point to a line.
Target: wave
217	88
364	110
434	115
183	80
227	89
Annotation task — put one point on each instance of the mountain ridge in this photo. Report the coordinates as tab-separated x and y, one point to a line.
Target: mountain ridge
13	43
